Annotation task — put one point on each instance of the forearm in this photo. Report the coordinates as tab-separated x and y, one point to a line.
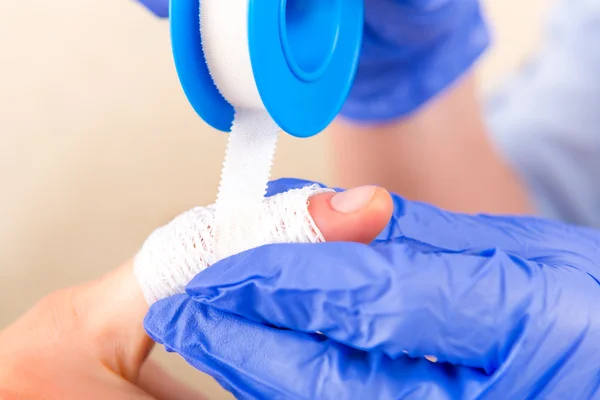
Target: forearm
440	155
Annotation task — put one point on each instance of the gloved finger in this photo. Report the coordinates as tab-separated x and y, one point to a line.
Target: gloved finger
459	308
284	184
431	229
160	8
254	361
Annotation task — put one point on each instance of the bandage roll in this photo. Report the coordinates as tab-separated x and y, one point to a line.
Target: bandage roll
276	63
296	59
252	67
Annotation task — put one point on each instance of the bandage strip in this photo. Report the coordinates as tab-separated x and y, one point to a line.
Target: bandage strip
244	179
253	137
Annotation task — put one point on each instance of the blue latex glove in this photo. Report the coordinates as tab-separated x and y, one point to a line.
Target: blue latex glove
159	7
509	306
413	50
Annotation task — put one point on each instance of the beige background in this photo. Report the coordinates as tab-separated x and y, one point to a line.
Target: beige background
98	145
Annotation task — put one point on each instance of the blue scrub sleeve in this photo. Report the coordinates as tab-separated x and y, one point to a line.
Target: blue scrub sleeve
546	119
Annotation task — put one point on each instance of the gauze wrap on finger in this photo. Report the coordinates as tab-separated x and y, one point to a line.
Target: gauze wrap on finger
176	252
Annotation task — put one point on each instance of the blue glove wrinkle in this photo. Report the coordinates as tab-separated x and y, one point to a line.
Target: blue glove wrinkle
371	298
557	342
202	336
257	362
508	305
531	238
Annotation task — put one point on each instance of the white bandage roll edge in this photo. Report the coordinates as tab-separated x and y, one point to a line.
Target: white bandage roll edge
241	218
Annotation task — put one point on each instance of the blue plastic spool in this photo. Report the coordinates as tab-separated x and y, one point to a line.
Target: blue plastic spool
304	56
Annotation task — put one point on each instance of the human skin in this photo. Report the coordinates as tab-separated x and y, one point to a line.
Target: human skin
440	155
88	341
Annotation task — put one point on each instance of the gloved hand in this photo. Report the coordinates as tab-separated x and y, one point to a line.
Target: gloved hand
508	306
412	50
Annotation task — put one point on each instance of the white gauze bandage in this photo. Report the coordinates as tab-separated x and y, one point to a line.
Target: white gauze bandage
242	218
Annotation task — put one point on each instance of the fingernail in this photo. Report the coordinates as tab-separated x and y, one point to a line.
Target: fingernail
352	200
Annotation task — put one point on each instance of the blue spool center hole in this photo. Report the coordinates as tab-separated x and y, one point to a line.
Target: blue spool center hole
309	35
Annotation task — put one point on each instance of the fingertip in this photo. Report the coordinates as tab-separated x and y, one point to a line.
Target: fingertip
356	215
383	206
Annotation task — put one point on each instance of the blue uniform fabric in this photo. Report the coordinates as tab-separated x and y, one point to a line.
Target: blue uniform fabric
507	305
546	118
